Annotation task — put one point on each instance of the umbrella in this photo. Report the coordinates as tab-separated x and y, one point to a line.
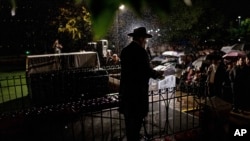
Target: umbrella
235	53
200	61
202	58
197	63
226	49
241	47
160	68
181	53
217	55
158	59
171	53
168	69
238	47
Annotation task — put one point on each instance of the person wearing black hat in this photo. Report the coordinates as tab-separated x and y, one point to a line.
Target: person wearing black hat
134	83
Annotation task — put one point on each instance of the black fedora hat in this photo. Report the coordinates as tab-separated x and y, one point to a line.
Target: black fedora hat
140	32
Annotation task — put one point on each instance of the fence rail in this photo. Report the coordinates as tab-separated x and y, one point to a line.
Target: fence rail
13	93
86	118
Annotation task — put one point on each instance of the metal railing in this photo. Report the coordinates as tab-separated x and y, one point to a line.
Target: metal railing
77	117
13	93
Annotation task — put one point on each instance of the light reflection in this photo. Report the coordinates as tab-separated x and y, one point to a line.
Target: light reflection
13	12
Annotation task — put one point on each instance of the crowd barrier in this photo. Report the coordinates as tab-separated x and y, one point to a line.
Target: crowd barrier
77	105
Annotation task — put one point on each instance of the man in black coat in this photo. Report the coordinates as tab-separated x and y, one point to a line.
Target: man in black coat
135	74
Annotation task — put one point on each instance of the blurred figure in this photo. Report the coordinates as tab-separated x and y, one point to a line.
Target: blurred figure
108	57
112	59
57	46
227	89
189	60
215	77
115	59
190	76
248	59
247	105
239	78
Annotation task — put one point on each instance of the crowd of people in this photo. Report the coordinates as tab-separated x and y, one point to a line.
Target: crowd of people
224	77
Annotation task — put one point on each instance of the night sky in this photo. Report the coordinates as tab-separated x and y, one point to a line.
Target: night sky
29	30
24	30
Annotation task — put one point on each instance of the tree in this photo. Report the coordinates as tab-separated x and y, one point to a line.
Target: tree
197	20
178	20
241	31
74	26
181	20
103	11
202	19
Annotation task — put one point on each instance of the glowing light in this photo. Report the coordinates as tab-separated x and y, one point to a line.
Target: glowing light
122	7
188	2
27	52
13	12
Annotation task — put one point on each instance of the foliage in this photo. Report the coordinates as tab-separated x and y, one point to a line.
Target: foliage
181	20
194	20
74	21
198	20
74	24
177	19
103	11
245	29
242	30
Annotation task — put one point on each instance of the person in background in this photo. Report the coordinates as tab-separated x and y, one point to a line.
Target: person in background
134	83
112	59
216	74
227	89
190	76
247	60
115	59
239	78
149	53
57	46
108	57
189	60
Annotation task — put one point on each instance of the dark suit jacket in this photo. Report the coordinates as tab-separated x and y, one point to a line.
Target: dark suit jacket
135	74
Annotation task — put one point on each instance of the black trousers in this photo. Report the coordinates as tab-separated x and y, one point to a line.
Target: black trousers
214	90
133	123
